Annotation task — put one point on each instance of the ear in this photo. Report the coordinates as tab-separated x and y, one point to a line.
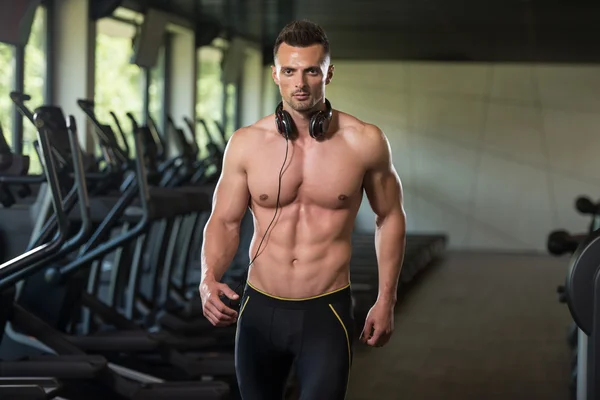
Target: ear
274	74
329	74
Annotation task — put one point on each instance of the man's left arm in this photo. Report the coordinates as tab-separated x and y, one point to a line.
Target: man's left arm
384	192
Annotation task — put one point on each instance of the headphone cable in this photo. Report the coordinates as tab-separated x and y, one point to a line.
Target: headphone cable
272	220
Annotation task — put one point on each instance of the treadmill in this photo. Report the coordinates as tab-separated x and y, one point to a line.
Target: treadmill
84	376
60	282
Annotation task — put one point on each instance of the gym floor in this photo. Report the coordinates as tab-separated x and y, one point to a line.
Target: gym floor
476	326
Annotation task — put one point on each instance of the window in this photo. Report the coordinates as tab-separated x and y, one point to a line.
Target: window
119	85
211	93
6	84
34	84
34	78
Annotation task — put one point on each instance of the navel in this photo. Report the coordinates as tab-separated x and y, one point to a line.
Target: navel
264	197
342	197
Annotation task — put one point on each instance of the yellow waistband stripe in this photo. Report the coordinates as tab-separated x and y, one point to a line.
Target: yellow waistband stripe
299	299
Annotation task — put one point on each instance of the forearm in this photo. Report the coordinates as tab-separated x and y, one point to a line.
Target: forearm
390	243
221	240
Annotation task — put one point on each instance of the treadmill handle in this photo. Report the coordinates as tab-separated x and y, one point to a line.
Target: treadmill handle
79	172
144	194
118	124
19	99
12	267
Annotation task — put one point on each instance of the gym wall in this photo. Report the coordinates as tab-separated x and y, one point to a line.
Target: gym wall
494	155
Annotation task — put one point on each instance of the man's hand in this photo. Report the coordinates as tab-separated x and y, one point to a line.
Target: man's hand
212	307
379	324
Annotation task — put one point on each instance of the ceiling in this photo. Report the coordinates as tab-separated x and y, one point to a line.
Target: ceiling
458	30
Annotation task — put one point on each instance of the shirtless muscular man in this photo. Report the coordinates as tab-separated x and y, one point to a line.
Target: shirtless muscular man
302	172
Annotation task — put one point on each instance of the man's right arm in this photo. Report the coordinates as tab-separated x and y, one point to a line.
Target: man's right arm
221	233
230	201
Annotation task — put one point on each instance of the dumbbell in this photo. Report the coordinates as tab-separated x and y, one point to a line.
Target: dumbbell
562	242
585	206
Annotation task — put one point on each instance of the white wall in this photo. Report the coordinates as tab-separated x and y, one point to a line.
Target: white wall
494	155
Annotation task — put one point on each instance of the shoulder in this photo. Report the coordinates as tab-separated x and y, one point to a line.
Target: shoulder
366	138
248	137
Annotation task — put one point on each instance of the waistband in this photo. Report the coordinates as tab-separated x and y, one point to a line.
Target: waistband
259	296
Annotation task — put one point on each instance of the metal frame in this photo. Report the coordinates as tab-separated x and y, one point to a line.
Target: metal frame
19	86
167	82
49	49
146	78
163	65
19	74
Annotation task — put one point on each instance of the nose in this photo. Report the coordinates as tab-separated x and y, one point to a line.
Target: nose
300	81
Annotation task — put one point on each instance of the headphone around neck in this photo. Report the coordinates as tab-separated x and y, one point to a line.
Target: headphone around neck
317	128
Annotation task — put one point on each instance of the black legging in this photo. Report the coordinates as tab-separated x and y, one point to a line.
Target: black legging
316	335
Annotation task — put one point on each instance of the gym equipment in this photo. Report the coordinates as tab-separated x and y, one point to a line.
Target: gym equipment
62	305
583	299
122	134
5	152
29	388
167	308
585	206
115	158
559	243
11	165
15	217
76	366
421	251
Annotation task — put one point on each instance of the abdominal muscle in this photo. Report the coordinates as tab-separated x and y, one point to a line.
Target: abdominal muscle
306	252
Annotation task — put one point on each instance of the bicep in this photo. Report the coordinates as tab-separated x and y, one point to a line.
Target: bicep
384	191
381	182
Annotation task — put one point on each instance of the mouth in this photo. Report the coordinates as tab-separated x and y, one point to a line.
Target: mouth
301	96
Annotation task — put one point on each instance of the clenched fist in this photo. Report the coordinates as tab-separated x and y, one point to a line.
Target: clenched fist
212	307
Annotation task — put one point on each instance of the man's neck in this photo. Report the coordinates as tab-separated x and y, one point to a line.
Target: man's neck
302	118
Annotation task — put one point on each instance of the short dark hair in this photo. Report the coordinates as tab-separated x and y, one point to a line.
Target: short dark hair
302	33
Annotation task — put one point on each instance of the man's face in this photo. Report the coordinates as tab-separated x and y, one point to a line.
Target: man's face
301	74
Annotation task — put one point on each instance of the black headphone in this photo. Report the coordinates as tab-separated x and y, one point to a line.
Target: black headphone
317	128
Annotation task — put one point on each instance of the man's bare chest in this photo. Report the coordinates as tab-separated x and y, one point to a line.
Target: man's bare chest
324	175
